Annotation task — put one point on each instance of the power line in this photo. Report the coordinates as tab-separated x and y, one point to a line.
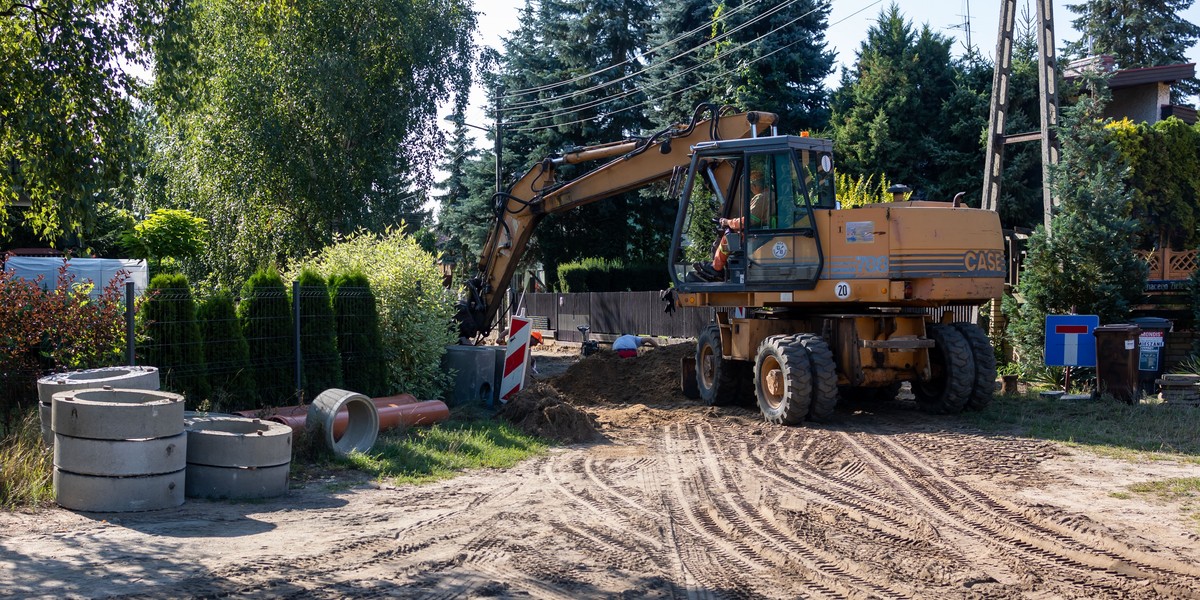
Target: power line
556	112
548	86
771	11
693	86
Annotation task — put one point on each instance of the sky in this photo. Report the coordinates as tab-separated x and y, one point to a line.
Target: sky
849	21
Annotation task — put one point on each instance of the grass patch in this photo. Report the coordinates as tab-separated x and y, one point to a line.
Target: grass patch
1170	489
1151	430
1120	495
26	466
420	455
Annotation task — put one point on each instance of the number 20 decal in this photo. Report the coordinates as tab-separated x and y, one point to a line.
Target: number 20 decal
842	290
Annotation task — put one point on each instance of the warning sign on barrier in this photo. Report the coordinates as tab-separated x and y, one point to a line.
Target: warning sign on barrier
516	358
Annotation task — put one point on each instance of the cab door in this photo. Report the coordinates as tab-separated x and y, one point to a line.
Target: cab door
782	247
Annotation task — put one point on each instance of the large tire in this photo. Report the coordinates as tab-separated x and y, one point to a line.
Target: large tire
824	376
716	377
985	365
953	373
783	380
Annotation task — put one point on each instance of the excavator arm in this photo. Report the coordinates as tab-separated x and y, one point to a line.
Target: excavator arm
631	164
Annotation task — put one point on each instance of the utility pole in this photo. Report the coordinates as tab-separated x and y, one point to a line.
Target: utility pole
1048	106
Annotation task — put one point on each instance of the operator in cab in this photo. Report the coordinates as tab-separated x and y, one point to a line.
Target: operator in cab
761	210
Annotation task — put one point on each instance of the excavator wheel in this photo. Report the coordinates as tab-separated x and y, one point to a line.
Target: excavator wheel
953	378
716	377
824	376
985	365
783	379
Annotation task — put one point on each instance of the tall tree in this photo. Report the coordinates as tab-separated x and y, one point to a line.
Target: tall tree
889	117
291	123
1088	265
571	77
1138	33
769	56
66	105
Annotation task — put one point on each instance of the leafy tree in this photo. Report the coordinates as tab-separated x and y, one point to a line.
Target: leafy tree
266	320
318	335
226	353
167	233
65	137
889	116
286	124
1138	33
1164	180
175	345
1088	265
363	366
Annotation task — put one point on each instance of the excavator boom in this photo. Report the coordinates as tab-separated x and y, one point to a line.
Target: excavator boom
631	164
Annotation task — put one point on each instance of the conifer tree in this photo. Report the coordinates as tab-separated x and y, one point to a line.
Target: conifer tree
266	320
226	353
318	335
175	345
1087	265
1137	33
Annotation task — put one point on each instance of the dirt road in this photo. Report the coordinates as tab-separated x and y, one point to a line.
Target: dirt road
678	501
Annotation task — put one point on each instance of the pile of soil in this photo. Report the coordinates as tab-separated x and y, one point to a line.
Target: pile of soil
540	410
605	378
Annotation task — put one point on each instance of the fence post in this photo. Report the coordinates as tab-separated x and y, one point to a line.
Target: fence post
296	321
130	341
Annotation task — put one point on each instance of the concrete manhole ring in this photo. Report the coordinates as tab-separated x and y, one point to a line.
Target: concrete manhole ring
361	428
117	414
238	442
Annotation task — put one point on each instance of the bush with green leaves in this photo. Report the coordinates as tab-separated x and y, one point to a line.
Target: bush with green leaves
415	314
265	316
168	233
226	353
363	367
173	342
322	367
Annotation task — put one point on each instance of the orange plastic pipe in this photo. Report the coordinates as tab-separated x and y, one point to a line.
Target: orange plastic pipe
394	411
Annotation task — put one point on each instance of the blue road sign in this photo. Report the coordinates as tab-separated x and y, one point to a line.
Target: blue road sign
1069	340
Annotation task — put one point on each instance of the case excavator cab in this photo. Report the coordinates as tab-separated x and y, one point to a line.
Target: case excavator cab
769	187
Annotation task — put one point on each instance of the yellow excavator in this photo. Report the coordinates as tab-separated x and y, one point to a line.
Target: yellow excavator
814	301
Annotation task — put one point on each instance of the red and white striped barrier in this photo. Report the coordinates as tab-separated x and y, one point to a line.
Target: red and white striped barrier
516	358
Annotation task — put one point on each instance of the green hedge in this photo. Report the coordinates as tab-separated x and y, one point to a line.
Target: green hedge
266	319
173	337
318	335
363	367
603	275
226	353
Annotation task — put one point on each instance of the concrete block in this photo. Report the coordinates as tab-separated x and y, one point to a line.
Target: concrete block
120	458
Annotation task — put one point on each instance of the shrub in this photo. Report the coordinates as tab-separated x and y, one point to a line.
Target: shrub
318	335
173	337
602	275
415	316
266	320
363	367
61	328
226	353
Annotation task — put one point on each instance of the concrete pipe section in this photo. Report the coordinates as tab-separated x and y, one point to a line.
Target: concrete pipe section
237	458
120	458
140	378
237	483
118	494
117	414
362	425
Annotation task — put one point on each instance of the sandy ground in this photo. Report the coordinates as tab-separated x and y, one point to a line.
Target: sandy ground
676	500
